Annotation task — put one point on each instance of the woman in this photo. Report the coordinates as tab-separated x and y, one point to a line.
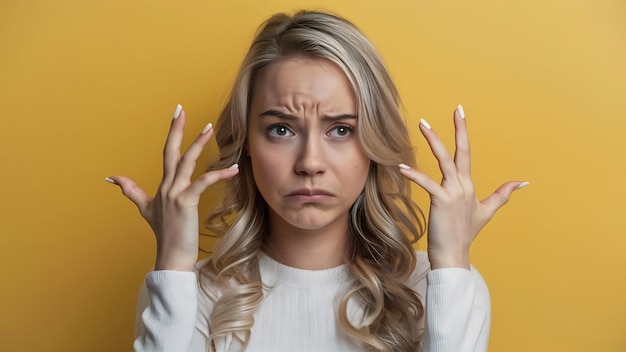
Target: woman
316	226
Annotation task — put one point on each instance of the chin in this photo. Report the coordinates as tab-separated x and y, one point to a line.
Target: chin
310	218
309	225
309	221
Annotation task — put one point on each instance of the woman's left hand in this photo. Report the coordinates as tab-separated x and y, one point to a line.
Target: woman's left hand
456	216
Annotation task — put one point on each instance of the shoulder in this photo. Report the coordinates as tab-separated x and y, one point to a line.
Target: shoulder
422	265
206	281
418	279
209	292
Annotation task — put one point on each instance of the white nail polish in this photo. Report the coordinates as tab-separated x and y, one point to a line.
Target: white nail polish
522	185
207	128
110	180
424	123
459	109
233	167
404	166
179	108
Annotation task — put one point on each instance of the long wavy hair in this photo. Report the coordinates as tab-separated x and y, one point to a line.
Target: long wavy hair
385	222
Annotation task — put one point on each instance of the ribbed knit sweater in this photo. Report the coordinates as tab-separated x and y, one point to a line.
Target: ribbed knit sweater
299	311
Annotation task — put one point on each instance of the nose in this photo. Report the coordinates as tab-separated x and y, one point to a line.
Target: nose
311	158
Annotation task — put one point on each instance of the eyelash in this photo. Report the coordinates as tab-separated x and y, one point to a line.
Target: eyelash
278	125
272	130
349	129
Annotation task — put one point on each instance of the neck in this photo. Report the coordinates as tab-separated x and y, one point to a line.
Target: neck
307	249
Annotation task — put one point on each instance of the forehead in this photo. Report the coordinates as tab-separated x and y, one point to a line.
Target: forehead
297	81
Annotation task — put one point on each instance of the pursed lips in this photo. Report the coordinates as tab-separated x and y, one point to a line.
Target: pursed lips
310	194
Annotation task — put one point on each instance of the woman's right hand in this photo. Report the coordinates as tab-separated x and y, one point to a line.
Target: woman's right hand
173	212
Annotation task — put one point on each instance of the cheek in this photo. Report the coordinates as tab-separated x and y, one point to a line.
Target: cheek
266	169
363	172
355	173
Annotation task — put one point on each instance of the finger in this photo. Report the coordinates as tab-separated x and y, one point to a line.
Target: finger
187	163
501	196
132	191
446	164
201	183
428	184
462	157
171	151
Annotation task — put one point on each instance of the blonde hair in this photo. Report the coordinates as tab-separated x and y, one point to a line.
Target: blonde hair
385	222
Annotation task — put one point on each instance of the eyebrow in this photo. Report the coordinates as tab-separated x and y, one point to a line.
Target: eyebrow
282	115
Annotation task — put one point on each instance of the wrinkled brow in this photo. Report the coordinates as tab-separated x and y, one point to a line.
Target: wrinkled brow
282	115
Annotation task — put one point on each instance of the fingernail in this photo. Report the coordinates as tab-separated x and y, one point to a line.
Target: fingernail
424	123
207	128
404	166
179	108
110	180
522	185
459	109
233	167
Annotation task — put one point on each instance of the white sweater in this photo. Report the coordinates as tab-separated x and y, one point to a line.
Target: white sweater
298	312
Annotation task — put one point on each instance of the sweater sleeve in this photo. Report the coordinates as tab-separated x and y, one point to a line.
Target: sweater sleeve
458	311
167	313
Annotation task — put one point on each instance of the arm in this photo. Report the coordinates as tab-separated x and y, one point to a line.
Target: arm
458	311
167	312
457	307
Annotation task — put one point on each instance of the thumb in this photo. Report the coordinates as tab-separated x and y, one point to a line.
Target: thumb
131	191
501	196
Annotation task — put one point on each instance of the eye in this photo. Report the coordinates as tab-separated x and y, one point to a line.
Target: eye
341	131
279	130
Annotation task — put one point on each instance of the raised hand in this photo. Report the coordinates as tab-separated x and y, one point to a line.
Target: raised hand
173	212
456	215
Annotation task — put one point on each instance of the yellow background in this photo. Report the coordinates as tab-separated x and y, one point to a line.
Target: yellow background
87	89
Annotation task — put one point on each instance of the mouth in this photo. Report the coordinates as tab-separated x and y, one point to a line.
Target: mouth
310	192
310	195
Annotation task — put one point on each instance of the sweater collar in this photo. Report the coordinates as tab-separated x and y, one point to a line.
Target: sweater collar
274	273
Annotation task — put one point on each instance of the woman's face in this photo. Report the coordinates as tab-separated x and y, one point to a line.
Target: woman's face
306	158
